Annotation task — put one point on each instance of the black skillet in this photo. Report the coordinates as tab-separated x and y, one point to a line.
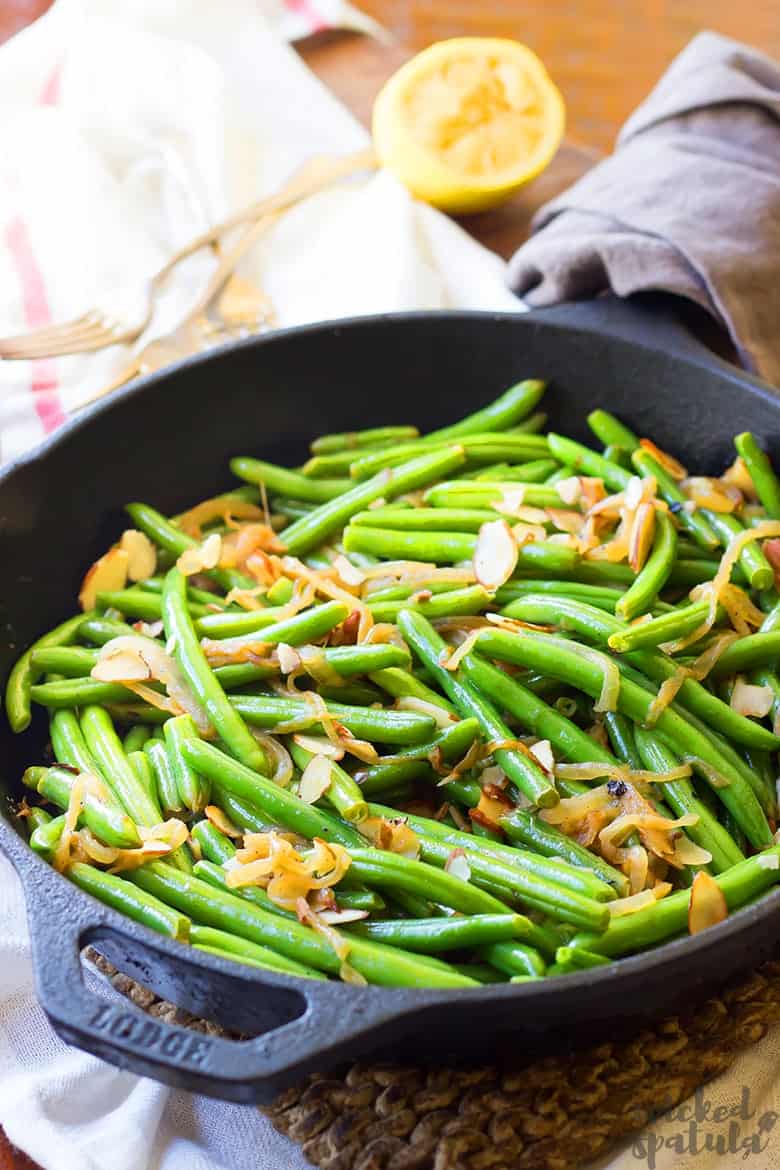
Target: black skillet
167	440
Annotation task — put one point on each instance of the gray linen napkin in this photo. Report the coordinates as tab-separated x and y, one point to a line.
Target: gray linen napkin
689	203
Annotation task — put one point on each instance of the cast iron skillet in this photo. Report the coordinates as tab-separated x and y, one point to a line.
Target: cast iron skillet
167	439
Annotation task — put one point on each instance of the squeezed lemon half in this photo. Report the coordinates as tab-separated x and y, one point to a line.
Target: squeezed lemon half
468	121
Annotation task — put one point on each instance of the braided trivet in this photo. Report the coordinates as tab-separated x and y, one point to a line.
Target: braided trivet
553	1114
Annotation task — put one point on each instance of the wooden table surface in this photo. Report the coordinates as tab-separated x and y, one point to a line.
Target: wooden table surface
604	55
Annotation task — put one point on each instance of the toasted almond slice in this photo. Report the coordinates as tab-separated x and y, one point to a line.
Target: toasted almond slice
750	700
707	906
457	864
142	555
569	489
667	461
642	533
495	554
108	573
203	557
319	745
121	666
289	658
543	754
315	780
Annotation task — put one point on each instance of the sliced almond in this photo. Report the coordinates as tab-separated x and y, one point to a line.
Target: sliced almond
142	555
108	573
707	906
289	658
753	701
667	461
315	780
122	666
319	745
457	864
202	557
543	754
569	489
495	555
642	533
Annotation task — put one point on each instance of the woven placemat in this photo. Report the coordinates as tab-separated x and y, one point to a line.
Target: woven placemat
553	1114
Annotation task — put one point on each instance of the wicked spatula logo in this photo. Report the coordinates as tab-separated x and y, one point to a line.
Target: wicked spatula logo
700	1127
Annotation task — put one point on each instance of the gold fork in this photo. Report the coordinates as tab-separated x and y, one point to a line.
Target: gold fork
97	330
196	330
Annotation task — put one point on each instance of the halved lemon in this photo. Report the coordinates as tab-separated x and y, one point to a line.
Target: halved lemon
468	121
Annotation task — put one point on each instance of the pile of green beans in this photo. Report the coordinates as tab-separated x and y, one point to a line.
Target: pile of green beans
445	785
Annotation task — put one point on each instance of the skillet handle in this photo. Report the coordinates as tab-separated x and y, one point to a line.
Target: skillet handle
295	1023
658	320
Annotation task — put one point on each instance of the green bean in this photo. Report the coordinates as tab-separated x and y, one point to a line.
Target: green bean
513	958
170	538
283	482
136	738
342	793
762	473
242	813
601	596
451	744
46	835
280	806
37	817
214	845
143	770
748	653
669	490
535	471
564	660
402	684
430	936
621	736
584	461
138	604
230	623
70	661
100	814
669	916
654	574
532	424
454	603
611	431
391	871
213	907
570	959
754	564
482	495
450	548
308	626
126	897
165	776
598	627
708	833
427	519
25	673
193	790
102	629
375	724
241	950
367	900
104	744
666	628
77	692
523	827
506	411
402	590
281	591
505	864
352	440
521	768
478	448
311	530
68	742
202	597
192	661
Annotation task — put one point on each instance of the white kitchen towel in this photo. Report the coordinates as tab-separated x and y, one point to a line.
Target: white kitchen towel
126	129
129	128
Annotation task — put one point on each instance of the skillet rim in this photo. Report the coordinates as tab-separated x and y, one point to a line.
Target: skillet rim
677	950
